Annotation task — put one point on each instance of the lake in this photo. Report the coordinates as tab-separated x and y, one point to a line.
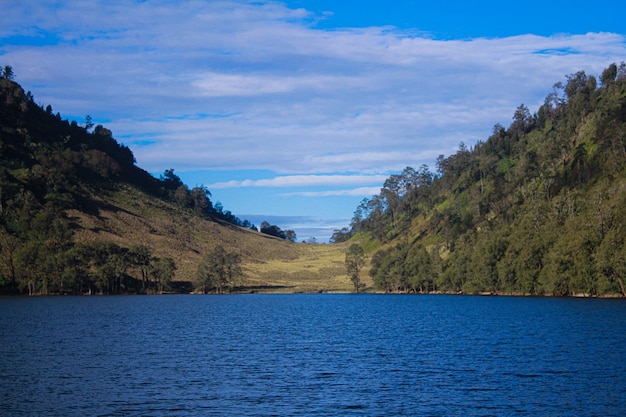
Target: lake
308	355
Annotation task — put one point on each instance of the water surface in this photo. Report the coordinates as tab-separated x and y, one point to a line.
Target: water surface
326	355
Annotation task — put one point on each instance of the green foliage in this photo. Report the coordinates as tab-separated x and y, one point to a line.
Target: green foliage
535	209
7	72
48	166
406	268
219	270
341	235
273	230
355	261
163	271
197	200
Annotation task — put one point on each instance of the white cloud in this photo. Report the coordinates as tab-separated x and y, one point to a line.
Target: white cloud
295	99
303	181
219	84
230	85
356	192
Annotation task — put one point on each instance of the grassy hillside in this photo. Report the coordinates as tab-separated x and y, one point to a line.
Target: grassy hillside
269	264
78	216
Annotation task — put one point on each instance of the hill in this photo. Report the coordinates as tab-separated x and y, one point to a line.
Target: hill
537	208
78	216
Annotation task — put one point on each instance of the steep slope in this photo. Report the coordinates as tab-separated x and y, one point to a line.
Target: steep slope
538	208
78	216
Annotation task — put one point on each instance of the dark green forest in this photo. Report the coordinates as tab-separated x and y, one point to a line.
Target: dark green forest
537	208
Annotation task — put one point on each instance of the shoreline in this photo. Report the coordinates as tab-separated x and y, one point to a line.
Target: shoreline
266	291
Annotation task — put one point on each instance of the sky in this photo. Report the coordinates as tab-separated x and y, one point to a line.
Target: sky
294	111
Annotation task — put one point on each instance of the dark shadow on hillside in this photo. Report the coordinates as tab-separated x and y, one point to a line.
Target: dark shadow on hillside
180	287
261	288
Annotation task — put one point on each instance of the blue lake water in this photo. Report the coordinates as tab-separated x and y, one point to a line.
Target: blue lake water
326	355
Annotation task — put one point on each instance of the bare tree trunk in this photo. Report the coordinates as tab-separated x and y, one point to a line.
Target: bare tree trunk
621	284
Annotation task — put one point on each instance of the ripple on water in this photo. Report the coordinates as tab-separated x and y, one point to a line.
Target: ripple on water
312	355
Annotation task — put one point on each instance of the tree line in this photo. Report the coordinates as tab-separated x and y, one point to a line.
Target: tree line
537	208
273	230
196	199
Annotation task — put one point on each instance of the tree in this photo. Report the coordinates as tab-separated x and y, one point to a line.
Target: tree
218	270
341	235
273	230
388	269
200	198
139	257
88	122
182	197
170	180
621	71
419	269
609	75
290	235
521	119
441	165
575	82
7	72
163	271
360	215
9	244
110	263
355	260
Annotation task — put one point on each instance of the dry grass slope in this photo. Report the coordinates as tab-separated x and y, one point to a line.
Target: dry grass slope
129	217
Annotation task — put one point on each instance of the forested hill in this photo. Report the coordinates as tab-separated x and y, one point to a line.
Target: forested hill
537	208
78	216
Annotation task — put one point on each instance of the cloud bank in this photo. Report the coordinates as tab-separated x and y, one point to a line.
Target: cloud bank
228	85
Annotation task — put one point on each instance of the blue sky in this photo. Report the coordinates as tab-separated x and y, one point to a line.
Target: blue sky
293	112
